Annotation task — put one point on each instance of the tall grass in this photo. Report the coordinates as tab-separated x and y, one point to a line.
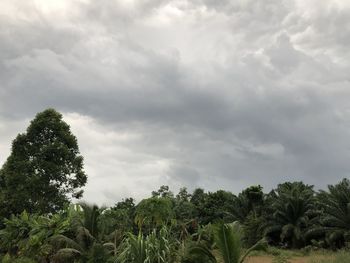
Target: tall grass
339	257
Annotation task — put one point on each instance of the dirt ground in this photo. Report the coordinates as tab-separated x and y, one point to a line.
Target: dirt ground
260	259
268	259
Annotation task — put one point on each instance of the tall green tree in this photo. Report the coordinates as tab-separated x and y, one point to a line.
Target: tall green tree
213	206
248	201
44	170
153	212
184	210
120	217
333	223
250	209
164	192
293	206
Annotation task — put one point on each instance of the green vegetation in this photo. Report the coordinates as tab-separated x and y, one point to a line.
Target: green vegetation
44	168
340	257
38	222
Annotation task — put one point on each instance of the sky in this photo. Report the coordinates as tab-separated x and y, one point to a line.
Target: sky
195	93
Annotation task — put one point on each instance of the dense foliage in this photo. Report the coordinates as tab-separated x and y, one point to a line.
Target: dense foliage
157	229
39	224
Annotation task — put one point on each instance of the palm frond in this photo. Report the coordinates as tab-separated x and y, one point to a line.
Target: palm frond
197	253
228	240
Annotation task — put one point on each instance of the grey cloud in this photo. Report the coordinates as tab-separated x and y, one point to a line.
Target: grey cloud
233	94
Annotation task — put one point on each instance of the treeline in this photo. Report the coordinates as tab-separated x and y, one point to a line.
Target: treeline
38	222
292	215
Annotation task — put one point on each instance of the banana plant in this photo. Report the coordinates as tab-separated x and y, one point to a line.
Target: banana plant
85	244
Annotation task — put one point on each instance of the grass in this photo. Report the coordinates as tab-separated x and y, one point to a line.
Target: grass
338	257
275	255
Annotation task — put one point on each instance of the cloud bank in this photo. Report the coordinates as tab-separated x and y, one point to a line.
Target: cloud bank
196	93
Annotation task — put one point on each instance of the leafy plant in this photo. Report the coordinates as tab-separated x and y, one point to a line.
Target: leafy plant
228	241
157	247
228	238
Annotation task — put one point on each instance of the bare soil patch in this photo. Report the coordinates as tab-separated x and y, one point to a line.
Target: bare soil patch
269	259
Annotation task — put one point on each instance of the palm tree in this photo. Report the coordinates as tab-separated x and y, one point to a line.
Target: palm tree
334	220
86	244
293	207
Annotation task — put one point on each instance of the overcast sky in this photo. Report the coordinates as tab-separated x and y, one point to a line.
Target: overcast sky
196	93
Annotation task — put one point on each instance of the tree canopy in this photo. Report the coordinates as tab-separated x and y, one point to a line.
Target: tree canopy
44	170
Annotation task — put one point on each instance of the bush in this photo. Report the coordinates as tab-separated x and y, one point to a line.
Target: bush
8	259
